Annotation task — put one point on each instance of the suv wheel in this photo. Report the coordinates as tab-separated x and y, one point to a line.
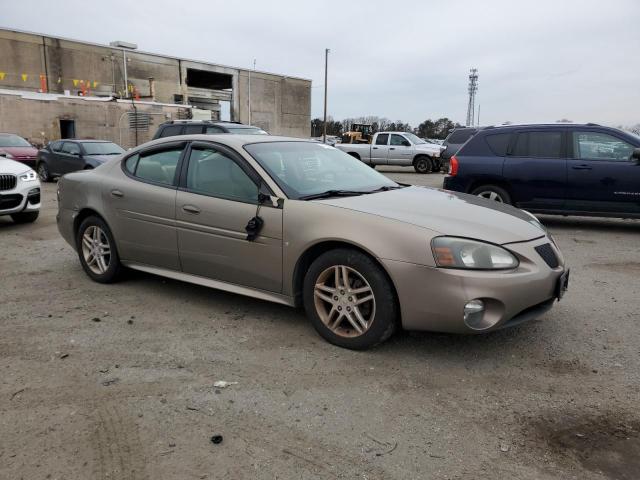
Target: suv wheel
350	300
422	164
492	192
97	250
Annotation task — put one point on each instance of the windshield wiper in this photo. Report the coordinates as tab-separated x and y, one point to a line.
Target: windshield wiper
331	193
386	188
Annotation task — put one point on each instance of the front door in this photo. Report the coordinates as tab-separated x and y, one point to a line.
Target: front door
536	169
400	150
218	196
69	159
602	175
142	198
380	149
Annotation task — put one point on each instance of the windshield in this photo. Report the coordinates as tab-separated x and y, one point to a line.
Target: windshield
247	131
414	138
305	168
102	148
13	141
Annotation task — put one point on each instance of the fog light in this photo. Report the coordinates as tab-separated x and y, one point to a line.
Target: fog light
473	314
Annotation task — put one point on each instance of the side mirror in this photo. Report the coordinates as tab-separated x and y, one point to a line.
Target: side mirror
265	197
635	156
406	143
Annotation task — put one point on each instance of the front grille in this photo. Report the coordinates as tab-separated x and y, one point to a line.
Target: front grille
548	255
8	182
10	201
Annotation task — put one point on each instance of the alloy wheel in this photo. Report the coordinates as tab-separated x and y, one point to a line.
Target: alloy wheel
491	195
43	173
96	250
344	301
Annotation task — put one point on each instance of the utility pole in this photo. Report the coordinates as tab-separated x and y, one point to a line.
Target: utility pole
326	65
473	88
254	67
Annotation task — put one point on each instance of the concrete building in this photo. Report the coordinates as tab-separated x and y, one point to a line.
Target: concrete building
53	88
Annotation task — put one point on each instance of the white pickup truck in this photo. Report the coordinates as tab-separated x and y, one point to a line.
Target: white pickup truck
397	148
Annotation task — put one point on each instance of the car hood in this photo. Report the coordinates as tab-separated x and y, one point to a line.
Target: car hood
20	152
429	147
447	213
13	168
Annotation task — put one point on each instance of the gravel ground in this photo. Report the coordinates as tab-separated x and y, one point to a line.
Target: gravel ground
117	381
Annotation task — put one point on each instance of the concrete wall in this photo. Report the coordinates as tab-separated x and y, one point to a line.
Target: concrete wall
280	104
39	120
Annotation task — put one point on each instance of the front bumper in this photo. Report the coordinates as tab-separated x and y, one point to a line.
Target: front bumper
433	299
21	199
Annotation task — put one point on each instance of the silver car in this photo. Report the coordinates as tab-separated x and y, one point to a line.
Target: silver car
304	224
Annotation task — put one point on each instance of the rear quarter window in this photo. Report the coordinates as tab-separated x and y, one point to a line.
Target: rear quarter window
498	143
171	130
461	136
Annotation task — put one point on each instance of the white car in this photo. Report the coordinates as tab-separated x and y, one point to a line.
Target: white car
19	191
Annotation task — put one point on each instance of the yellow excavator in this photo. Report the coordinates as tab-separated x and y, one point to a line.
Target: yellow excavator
359	133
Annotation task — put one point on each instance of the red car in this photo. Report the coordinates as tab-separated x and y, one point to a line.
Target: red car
17	148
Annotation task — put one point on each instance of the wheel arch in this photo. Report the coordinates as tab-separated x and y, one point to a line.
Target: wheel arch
323	246
355	155
418	155
86	213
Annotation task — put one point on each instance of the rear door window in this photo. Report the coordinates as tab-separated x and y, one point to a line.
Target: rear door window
55	146
382	139
171	131
539	145
498	143
157	166
461	136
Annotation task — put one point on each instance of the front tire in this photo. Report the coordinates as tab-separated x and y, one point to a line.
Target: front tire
492	192
97	250
422	164
43	172
350	300
25	217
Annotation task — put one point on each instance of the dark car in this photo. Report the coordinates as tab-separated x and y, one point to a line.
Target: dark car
17	148
558	169
196	127
456	138
65	156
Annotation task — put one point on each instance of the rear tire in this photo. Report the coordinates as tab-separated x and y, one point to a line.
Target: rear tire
492	192
97	251
350	300
422	164
43	172
25	217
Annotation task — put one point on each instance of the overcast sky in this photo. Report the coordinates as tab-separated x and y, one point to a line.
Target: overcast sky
537	61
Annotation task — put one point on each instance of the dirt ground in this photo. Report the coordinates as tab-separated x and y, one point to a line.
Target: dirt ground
117	381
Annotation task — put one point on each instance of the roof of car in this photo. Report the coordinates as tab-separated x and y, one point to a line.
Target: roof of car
533	125
232	140
83	140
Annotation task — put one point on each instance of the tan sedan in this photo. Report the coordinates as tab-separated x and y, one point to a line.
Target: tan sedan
304	224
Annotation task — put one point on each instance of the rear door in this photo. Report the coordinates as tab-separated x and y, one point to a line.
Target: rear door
142	198
536	168
51	157
400	150
380	149
602	177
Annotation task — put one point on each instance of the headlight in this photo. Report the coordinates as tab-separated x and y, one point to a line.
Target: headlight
29	176
6	155
453	252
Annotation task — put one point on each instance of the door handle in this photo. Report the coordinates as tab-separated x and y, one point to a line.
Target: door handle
191	209
392	148
117	193
582	167
375	148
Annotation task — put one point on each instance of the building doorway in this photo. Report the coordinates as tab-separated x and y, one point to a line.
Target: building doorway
67	128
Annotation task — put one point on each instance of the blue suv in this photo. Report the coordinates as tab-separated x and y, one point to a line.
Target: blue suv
565	169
